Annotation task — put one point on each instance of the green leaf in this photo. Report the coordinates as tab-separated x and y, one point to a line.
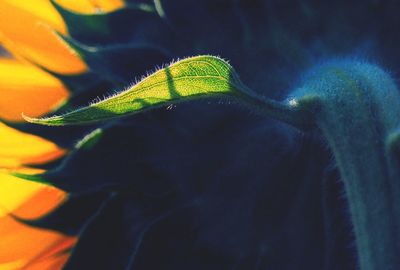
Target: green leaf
191	78
188	79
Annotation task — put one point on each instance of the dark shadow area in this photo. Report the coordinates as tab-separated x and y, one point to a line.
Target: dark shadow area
206	186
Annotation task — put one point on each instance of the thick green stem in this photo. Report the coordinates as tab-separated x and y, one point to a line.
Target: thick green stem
372	191
357	108
358	112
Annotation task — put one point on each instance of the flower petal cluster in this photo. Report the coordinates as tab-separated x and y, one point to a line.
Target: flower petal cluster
27	33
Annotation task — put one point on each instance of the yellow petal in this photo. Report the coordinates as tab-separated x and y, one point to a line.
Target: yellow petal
35	10
27	199
12	265
91	6
24	243
26	247
49	263
52	263
18	148
81	6
25	88
108	5
26	30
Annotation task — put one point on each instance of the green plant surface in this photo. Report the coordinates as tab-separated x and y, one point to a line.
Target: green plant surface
188	79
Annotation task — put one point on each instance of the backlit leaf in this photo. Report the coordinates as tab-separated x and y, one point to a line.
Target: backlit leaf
191	78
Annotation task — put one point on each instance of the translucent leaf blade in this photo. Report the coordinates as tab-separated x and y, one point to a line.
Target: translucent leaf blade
191	78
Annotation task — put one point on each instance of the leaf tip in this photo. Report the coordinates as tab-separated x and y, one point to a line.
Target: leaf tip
49	121
28	118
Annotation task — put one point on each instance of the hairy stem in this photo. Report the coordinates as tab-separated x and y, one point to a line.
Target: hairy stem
359	110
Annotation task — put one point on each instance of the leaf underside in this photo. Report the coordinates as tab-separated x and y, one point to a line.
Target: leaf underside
191	78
